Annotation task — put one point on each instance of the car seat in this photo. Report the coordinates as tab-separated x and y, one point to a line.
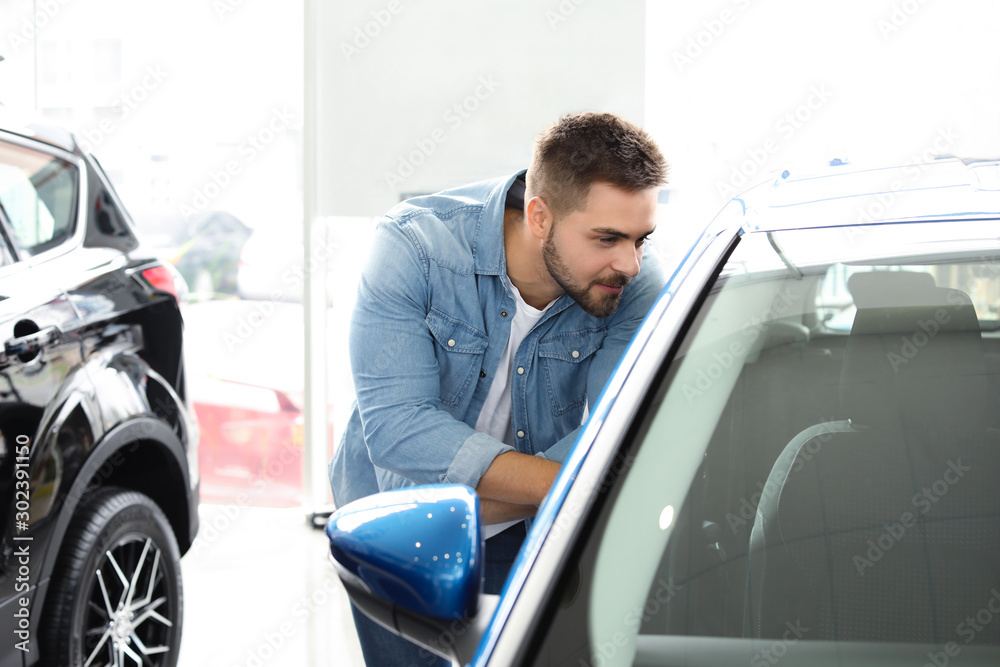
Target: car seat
885	526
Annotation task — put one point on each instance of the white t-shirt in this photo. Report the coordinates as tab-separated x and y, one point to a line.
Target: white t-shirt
494	419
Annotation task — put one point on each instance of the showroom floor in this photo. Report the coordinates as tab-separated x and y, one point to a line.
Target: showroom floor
259	592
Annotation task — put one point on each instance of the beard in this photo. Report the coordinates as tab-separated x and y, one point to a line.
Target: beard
596	305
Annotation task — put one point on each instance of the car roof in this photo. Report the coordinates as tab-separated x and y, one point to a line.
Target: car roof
33	127
945	188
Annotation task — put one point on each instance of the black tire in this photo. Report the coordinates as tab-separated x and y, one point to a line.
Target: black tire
82	626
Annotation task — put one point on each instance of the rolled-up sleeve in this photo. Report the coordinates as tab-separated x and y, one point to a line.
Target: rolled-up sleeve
396	373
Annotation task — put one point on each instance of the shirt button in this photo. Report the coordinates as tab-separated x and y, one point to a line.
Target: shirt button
503	313
451	342
520	434
520	370
576	354
482	374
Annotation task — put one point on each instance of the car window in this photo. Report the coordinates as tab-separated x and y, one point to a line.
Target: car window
38	195
803	491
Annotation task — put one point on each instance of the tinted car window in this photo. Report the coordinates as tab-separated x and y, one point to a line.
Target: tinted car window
807	488
38	194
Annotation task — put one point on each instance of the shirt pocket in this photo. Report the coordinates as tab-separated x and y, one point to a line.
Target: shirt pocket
459	349
565	361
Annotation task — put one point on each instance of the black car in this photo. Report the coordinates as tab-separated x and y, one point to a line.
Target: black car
98	449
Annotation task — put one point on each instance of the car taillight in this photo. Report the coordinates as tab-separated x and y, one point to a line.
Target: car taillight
161	278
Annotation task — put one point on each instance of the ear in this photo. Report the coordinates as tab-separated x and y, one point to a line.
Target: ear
539	217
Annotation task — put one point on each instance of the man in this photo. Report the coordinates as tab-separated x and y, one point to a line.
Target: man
488	320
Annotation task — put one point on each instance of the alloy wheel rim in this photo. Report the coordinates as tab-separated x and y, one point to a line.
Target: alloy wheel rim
129	618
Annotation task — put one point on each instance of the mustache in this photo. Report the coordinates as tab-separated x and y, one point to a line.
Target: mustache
614	280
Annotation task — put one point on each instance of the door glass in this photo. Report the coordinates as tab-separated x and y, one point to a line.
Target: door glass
38	194
814	478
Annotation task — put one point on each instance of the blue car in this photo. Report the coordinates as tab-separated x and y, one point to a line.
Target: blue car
796	460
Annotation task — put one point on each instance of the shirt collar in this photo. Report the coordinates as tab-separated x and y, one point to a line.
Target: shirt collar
488	248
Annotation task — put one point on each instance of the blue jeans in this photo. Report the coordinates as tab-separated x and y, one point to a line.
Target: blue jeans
381	648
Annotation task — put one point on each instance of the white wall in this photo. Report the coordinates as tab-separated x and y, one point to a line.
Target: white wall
740	88
415	96
191	105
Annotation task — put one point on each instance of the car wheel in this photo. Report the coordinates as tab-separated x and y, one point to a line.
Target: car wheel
116	596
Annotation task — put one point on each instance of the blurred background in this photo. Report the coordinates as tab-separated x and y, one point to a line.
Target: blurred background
255	143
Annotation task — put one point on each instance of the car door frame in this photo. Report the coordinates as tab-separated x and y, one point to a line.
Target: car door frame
562	520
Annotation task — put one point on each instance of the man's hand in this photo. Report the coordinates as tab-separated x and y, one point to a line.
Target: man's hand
520	479
497	511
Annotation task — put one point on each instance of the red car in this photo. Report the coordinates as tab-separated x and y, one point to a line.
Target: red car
246	363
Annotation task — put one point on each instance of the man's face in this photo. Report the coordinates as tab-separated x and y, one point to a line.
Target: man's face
593	253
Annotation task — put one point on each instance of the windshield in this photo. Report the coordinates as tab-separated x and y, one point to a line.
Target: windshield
814	477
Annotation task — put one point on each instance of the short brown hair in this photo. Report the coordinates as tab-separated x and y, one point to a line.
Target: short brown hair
586	148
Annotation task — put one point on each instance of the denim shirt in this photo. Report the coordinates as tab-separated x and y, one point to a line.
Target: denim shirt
430	325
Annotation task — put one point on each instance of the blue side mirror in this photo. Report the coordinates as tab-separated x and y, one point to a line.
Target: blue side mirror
418	549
